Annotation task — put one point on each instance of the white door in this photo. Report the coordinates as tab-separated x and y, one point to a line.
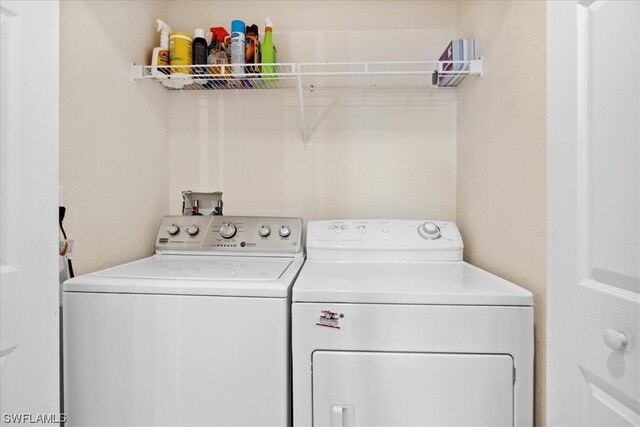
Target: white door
593	111
29	332
411	389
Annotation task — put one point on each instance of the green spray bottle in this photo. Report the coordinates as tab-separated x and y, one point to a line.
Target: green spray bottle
269	55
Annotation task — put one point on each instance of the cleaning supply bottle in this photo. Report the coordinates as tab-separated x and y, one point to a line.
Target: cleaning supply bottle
160	55
217	56
252	55
180	54
199	52
219	34
268	54
237	47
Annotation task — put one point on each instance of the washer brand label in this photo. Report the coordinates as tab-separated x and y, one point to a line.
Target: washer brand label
331	319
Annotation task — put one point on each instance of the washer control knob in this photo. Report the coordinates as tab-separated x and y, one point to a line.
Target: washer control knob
228	230
337	229
173	229
264	231
429	230
284	231
192	230
362	229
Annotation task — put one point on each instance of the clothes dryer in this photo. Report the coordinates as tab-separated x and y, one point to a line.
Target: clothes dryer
392	328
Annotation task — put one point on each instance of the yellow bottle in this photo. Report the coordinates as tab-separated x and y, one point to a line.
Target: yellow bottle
180	51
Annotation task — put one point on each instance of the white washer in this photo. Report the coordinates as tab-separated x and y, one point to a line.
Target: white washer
391	328
197	334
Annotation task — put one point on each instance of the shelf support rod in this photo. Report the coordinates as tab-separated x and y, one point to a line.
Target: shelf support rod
303	121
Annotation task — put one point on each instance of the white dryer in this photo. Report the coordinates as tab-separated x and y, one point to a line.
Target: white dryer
197	334
391	328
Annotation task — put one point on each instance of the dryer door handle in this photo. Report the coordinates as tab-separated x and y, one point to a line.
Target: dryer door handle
343	416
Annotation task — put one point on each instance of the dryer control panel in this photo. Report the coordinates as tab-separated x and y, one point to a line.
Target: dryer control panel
230	235
384	240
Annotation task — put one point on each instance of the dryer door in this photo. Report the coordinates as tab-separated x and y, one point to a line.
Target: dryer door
411	389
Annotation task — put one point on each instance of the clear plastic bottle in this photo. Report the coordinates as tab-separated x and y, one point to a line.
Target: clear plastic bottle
218	57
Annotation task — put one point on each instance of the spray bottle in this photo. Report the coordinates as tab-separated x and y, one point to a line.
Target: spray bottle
269	55
217	56
238	47
160	55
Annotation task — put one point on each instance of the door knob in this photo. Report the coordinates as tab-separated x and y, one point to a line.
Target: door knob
615	340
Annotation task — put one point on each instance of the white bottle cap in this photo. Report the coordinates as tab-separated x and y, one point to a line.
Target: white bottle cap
199	33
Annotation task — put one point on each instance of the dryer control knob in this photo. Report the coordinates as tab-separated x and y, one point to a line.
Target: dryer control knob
284	231
429	230
173	229
192	230
228	231
264	231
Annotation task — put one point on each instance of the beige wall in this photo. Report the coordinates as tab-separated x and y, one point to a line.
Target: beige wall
113	135
371	154
501	190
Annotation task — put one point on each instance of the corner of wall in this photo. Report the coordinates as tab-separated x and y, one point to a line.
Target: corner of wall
501	153
113	134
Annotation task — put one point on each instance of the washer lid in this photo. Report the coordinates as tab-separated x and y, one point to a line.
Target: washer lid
194	275
440	283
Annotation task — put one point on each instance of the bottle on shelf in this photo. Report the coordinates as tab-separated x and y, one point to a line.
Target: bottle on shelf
180	48
252	55
218	48
238	48
218	57
160	55
199	54
268	54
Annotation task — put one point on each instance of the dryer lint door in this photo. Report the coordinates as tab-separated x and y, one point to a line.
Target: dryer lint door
411	389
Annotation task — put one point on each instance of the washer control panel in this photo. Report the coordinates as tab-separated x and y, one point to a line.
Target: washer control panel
399	239
229	234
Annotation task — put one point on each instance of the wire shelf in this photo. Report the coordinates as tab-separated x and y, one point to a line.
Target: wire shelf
309	76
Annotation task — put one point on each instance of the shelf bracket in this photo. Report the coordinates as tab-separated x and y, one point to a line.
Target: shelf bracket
136	72
476	66
303	121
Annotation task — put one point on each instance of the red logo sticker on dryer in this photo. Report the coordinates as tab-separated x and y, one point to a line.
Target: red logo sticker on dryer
331	319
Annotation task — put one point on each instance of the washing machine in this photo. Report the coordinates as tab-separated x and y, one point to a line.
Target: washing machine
390	327
197	334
